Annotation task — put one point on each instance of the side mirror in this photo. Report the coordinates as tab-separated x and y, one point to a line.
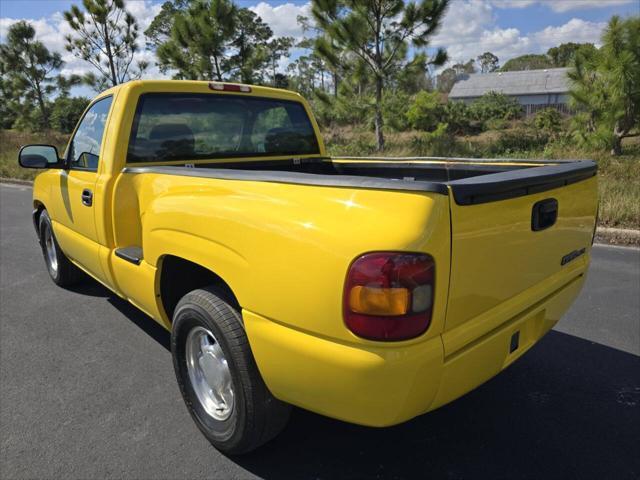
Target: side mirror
39	156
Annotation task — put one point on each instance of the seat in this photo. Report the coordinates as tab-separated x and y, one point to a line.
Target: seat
282	140
172	140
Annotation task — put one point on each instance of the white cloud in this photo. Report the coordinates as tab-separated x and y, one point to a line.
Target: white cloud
566	5
470	29
464	21
561	5
144	12
508	42
513	3
575	30
282	19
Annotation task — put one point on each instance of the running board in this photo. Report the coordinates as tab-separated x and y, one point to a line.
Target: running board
130	254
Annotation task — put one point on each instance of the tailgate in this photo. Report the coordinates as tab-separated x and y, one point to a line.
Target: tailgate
501	244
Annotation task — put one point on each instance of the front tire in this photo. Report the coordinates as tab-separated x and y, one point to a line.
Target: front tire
218	376
61	270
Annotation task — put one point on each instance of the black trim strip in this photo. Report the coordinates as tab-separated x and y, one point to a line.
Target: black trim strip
351	181
130	254
518	183
467	191
448	160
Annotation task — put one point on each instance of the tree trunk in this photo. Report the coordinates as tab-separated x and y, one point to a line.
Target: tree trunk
335	84
218	74
618	134
112	67
378	121
616	148
43	107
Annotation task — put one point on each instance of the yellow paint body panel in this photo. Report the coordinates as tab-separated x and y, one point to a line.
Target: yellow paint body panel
496	255
284	250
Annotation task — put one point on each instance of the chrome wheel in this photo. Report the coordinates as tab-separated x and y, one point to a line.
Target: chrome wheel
209	373
50	246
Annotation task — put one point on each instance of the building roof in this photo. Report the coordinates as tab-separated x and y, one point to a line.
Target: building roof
526	82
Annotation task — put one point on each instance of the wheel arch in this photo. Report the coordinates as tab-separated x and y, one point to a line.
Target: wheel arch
177	276
38	208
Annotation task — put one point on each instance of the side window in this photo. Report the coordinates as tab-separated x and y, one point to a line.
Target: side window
84	149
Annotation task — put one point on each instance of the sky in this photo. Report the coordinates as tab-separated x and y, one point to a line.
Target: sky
507	28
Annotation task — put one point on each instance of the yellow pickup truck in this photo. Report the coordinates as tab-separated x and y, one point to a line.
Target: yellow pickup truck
370	290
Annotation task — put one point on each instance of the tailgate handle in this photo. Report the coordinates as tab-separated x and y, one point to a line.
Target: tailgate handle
544	214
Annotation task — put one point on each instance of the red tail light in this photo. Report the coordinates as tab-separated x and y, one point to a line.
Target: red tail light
389	295
229	87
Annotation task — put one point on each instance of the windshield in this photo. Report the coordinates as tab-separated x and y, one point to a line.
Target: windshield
179	126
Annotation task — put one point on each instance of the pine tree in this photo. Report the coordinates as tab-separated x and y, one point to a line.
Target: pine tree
29	76
488	62
378	32
606	86
105	36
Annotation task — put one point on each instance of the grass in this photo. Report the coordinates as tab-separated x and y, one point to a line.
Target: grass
10	143
619	177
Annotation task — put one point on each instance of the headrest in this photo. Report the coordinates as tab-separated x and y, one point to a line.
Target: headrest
282	140
171	131
175	139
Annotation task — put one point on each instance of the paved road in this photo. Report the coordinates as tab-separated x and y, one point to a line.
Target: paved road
88	391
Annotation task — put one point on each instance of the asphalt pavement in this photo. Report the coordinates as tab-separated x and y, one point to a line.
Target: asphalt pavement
87	390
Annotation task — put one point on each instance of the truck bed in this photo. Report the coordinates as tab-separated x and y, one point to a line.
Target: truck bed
471	181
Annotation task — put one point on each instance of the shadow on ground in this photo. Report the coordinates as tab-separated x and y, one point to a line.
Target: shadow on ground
570	408
145	323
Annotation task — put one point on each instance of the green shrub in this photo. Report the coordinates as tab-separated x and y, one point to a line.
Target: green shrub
66	111
7	114
549	120
518	140
439	143
29	119
361	145
395	105
493	105
323	109
347	108
459	118
495	124
426	113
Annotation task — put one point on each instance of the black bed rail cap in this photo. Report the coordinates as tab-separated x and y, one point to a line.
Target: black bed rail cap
518	183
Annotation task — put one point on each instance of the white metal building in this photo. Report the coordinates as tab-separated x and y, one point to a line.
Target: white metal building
533	89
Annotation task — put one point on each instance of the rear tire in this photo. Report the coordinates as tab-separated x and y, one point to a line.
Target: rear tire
218	376
61	270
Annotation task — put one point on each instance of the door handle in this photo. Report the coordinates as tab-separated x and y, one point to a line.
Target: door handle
87	197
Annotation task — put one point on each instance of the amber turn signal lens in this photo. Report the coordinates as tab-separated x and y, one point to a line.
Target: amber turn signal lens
379	301
388	296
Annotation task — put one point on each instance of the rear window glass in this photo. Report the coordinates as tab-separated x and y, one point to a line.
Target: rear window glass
207	126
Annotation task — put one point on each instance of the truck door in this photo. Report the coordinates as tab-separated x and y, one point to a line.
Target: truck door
74	212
